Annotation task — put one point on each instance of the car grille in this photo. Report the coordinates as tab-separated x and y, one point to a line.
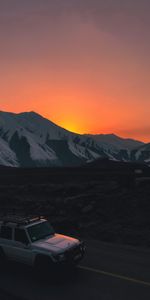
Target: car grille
72	253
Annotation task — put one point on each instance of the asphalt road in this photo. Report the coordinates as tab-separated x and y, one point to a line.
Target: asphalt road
108	272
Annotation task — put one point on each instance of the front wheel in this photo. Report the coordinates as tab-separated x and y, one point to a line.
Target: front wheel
2	257
43	264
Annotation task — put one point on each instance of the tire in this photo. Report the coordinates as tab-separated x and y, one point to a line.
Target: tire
2	257
43	264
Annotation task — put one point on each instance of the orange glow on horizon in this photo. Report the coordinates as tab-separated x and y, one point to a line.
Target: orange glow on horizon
81	121
82	106
71	126
86	74
78	127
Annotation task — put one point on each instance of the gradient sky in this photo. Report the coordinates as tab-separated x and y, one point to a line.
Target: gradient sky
84	64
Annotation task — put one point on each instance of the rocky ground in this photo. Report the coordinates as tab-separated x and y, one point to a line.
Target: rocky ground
103	209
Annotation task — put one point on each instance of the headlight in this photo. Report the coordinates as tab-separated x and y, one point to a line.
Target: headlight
61	256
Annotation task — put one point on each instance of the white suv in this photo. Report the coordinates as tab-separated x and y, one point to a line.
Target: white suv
34	242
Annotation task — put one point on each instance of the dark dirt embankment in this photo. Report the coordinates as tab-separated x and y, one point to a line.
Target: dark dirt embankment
108	208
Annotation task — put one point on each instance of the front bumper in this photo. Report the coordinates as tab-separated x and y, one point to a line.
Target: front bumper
71	256
75	254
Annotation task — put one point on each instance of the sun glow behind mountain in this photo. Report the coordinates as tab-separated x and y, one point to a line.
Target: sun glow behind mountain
51	145
73	127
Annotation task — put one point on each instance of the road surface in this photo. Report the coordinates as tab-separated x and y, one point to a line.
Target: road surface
108	272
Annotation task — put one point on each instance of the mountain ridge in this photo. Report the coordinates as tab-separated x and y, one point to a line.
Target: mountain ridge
28	139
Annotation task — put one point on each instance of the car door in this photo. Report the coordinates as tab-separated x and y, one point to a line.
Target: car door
21	250
6	240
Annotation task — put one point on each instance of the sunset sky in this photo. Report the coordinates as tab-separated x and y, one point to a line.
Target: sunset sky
84	64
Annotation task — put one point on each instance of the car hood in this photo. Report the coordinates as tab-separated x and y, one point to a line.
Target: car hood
56	243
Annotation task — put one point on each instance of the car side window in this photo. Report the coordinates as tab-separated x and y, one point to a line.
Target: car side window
6	232
21	236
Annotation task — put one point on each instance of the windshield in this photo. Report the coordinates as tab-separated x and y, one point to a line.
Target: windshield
40	231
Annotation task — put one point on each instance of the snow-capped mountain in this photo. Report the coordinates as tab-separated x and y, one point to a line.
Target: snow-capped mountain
28	140
7	156
116	146
116	141
142	154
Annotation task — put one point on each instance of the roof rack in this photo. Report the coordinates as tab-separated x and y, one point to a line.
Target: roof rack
19	220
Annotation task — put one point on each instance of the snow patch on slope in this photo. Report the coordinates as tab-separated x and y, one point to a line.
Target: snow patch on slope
40	152
7	156
82	152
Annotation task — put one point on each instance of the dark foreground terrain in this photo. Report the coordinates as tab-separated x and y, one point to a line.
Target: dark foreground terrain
108	206
108	202
109	272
